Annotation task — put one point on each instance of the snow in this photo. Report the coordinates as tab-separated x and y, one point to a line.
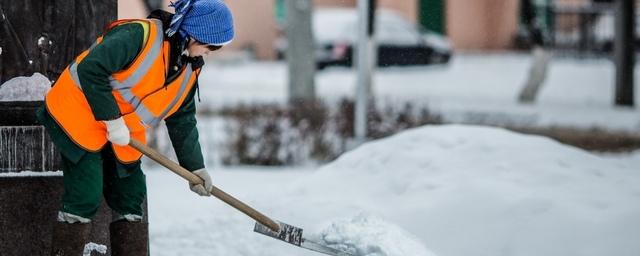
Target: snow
334	25
22	88
30	174
472	88
370	235
450	190
633	157
331	25
91	247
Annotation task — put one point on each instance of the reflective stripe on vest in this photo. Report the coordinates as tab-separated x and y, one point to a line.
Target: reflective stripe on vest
124	87
142	111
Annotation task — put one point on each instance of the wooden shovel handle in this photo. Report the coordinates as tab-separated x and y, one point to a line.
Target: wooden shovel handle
192	178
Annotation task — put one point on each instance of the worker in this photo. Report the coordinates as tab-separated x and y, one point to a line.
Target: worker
138	73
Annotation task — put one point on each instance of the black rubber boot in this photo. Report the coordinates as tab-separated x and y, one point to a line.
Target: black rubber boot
129	238
69	239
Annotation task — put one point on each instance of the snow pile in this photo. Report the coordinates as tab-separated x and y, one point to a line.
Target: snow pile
23	88
458	190
90	247
480	191
371	236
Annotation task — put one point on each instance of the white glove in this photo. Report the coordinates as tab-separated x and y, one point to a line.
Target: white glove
198	188
117	132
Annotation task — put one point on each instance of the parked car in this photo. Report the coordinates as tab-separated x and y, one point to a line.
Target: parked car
400	42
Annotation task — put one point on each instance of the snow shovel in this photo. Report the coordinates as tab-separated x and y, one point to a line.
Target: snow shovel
264	225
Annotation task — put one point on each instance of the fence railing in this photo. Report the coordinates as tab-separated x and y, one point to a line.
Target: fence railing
582	30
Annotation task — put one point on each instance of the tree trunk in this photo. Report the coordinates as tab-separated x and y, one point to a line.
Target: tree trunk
300	50
537	75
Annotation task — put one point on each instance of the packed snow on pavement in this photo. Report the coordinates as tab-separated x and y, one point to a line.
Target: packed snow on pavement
437	190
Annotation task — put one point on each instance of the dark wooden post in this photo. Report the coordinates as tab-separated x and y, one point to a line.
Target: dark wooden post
624	51
300	52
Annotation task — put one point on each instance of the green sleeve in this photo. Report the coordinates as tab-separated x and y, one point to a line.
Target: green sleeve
118	49
183	133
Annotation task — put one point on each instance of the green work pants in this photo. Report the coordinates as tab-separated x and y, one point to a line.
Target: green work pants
95	174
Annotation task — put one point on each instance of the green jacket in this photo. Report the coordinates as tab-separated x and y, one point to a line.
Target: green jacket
119	48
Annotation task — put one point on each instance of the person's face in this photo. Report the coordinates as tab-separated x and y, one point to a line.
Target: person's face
197	49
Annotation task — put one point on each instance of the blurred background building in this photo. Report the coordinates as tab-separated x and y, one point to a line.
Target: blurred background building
469	25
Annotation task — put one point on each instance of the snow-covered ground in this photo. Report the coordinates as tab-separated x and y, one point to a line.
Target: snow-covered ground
473	88
437	190
577	93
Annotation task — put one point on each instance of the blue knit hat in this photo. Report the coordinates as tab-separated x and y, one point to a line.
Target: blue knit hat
207	21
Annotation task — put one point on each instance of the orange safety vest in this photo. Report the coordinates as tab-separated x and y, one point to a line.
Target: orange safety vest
139	90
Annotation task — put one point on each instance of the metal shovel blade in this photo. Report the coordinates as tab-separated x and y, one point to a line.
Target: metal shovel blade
293	235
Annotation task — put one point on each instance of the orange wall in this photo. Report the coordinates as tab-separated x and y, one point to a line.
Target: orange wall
471	24
343	3
254	22
408	8
405	7
482	24
256	26
128	9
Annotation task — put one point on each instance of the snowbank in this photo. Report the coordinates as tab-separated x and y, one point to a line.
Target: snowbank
23	88
447	190
481	191
91	247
